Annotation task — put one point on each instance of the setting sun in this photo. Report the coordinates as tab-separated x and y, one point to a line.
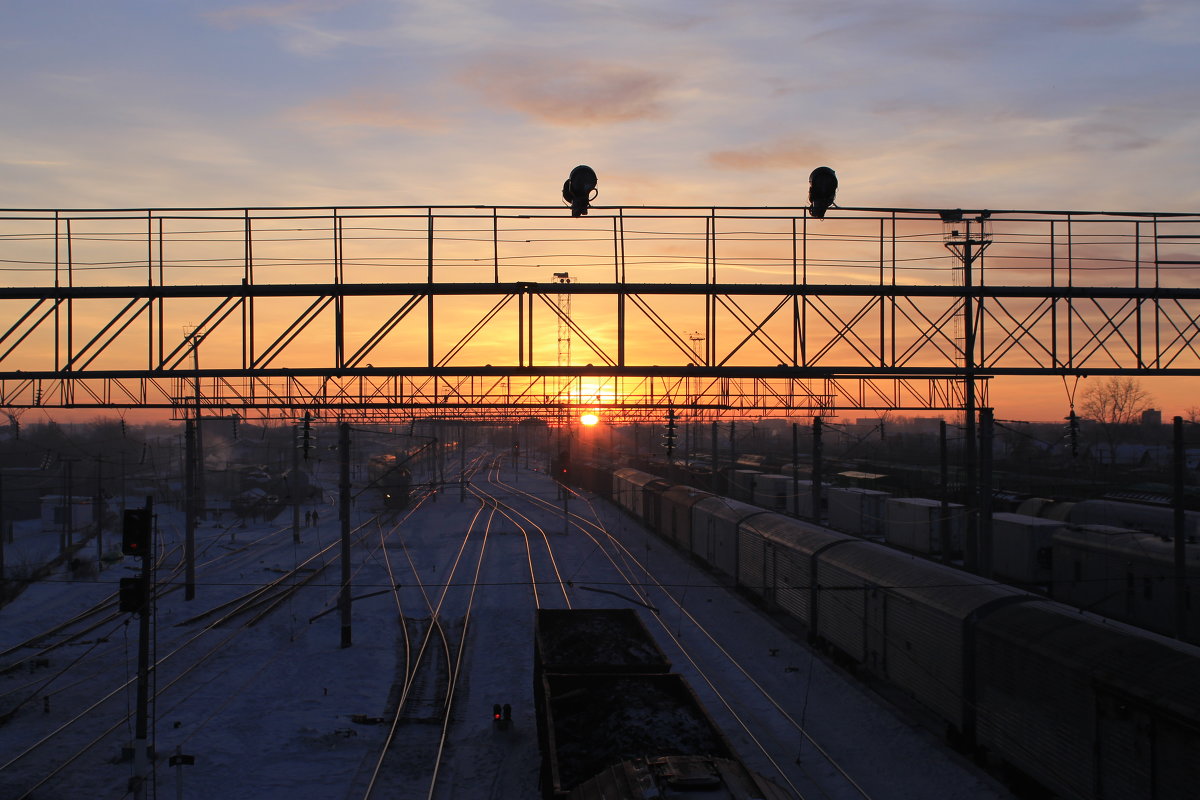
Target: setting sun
589	419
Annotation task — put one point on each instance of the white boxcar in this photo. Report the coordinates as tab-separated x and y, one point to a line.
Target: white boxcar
915	523
1022	546
715	523
905	618
675	514
773	492
1134	516
628	489
741	484
776	561
1123	574
857	511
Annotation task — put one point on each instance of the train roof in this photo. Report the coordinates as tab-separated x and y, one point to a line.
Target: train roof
1125	543
790	532
956	593
1139	663
682	494
636	476
728	509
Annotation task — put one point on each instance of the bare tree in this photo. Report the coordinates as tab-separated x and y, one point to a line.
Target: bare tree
1116	403
1193	414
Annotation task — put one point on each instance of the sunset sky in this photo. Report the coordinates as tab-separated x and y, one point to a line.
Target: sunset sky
1073	105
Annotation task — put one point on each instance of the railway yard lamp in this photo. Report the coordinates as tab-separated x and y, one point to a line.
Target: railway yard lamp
822	188
579	189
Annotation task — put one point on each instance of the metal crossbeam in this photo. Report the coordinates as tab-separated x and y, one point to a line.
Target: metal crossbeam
369	312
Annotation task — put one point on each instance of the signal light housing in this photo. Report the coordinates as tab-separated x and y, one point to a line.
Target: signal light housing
135	532
131	596
579	189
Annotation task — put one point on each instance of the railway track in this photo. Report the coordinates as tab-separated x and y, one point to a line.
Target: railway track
442	593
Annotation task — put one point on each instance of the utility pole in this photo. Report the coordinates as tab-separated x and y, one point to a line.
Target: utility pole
944	526
201	495
189	508
3	532
732	456
795	469
816	470
138	535
1178	470
68	506
97	515
985	492
968	246
294	484
344	510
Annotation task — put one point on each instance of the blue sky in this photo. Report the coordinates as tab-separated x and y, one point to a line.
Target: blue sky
1085	105
1064	105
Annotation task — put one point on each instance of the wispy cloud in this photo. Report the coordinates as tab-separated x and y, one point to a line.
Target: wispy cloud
775	154
569	92
367	108
270	13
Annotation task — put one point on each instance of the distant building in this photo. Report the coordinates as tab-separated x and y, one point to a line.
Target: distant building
75	513
926	424
1152	416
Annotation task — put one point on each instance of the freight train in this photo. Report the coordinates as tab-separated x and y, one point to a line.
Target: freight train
614	723
1074	703
389	475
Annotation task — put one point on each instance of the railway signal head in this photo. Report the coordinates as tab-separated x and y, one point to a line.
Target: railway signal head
135	532
131	597
579	189
822	188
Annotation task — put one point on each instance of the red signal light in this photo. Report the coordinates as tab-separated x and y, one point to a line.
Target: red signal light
135	532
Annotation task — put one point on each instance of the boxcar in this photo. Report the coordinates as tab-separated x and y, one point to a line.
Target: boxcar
593	477
857	511
775	561
1123	574
741	484
715	522
1022	548
1134	516
629	490
905	619
675	515
915	523
1088	707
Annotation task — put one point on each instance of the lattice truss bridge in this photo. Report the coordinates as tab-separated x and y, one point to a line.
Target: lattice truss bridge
374	314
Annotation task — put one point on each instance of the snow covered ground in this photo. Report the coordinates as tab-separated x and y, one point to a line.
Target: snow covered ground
269	711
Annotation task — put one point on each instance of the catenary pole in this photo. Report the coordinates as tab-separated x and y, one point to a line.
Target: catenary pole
344	512
1180	539
817	476
141	755
189	508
